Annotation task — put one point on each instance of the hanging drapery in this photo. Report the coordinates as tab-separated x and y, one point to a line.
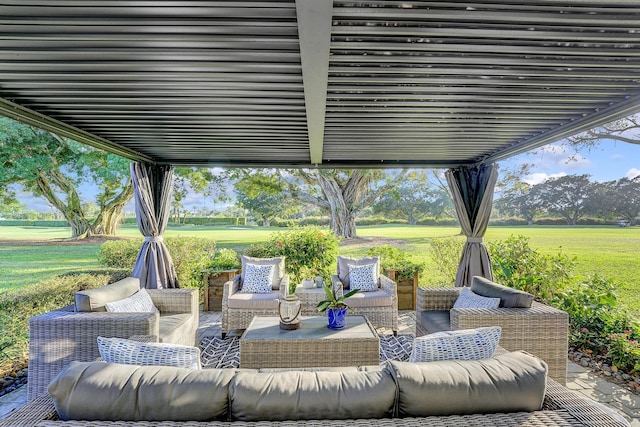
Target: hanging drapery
472	193
152	188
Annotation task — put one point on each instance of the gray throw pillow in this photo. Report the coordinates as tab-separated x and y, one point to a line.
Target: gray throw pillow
509	297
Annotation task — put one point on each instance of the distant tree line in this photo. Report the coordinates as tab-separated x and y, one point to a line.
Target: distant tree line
573	197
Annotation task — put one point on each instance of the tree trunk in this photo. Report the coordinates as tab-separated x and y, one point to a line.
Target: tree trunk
109	217
71	210
343	221
266	222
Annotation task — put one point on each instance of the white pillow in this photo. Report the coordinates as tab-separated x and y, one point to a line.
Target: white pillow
469	299
140	302
129	352
257	279
363	277
464	344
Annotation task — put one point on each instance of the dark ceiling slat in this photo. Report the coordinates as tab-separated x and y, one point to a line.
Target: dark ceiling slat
439	83
503	47
539	33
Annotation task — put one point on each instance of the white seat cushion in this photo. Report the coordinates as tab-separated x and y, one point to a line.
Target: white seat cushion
469	299
129	352
463	344
246	300
370	299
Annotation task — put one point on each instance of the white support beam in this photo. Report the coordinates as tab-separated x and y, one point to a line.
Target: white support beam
41	121
314	33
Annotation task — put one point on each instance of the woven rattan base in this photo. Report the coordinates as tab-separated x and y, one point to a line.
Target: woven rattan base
265	345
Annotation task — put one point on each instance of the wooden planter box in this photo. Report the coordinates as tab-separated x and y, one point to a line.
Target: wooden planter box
213	282
406	290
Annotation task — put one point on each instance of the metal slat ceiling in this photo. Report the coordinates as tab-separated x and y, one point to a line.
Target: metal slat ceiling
315	82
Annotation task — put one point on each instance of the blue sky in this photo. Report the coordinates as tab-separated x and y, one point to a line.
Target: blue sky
608	161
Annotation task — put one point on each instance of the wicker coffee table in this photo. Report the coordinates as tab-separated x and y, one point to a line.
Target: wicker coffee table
265	345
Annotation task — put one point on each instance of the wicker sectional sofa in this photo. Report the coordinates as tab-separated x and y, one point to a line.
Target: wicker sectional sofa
69	334
509	389
539	329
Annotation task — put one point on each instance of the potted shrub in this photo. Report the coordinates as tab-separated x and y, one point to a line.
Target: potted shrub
223	267
399	267
335	306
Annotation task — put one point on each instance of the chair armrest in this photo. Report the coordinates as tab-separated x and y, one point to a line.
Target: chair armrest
523	319
231	287
436	298
388	285
175	300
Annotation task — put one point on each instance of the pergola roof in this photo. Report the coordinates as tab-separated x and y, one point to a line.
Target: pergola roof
319	82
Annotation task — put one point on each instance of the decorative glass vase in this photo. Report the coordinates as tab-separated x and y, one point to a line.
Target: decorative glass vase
289	309
337	318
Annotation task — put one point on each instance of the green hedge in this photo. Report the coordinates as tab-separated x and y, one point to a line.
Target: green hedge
40	223
198	220
190	256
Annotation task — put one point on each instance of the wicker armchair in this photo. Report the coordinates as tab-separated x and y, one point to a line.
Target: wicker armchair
380	316
59	337
541	330
241	312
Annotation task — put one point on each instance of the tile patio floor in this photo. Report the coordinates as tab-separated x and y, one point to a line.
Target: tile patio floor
579	379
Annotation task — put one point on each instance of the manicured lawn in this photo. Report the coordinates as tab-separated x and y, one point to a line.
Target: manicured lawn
612	252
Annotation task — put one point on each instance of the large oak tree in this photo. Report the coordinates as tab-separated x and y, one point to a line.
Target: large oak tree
342	193
51	166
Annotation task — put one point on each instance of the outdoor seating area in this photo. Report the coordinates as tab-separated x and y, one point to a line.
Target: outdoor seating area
312	85
560	406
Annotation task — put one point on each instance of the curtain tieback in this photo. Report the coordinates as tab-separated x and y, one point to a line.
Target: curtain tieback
156	239
474	239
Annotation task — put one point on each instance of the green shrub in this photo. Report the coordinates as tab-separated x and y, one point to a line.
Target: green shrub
119	253
16	307
224	259
190	256
519	266
395	259
261	250
311	247
307	251
445	253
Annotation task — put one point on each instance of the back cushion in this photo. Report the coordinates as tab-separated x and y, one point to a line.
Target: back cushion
344	263
509	297
278	271
95	299
309	395
511	382
109	392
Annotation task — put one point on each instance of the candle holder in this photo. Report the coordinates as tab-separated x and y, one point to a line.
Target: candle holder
289	309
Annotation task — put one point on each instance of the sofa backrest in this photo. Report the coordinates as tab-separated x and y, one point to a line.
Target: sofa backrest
509	297
510	382
95	299
507	383
111	392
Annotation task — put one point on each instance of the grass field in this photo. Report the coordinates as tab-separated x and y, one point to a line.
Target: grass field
612	252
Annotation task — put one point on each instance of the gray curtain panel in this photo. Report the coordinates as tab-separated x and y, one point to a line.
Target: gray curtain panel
152	188
472	193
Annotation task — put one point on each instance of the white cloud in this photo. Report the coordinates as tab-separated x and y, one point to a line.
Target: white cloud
554	155
617	157
540	177
632	173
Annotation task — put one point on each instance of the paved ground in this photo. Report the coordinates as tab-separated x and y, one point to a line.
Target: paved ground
579	379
